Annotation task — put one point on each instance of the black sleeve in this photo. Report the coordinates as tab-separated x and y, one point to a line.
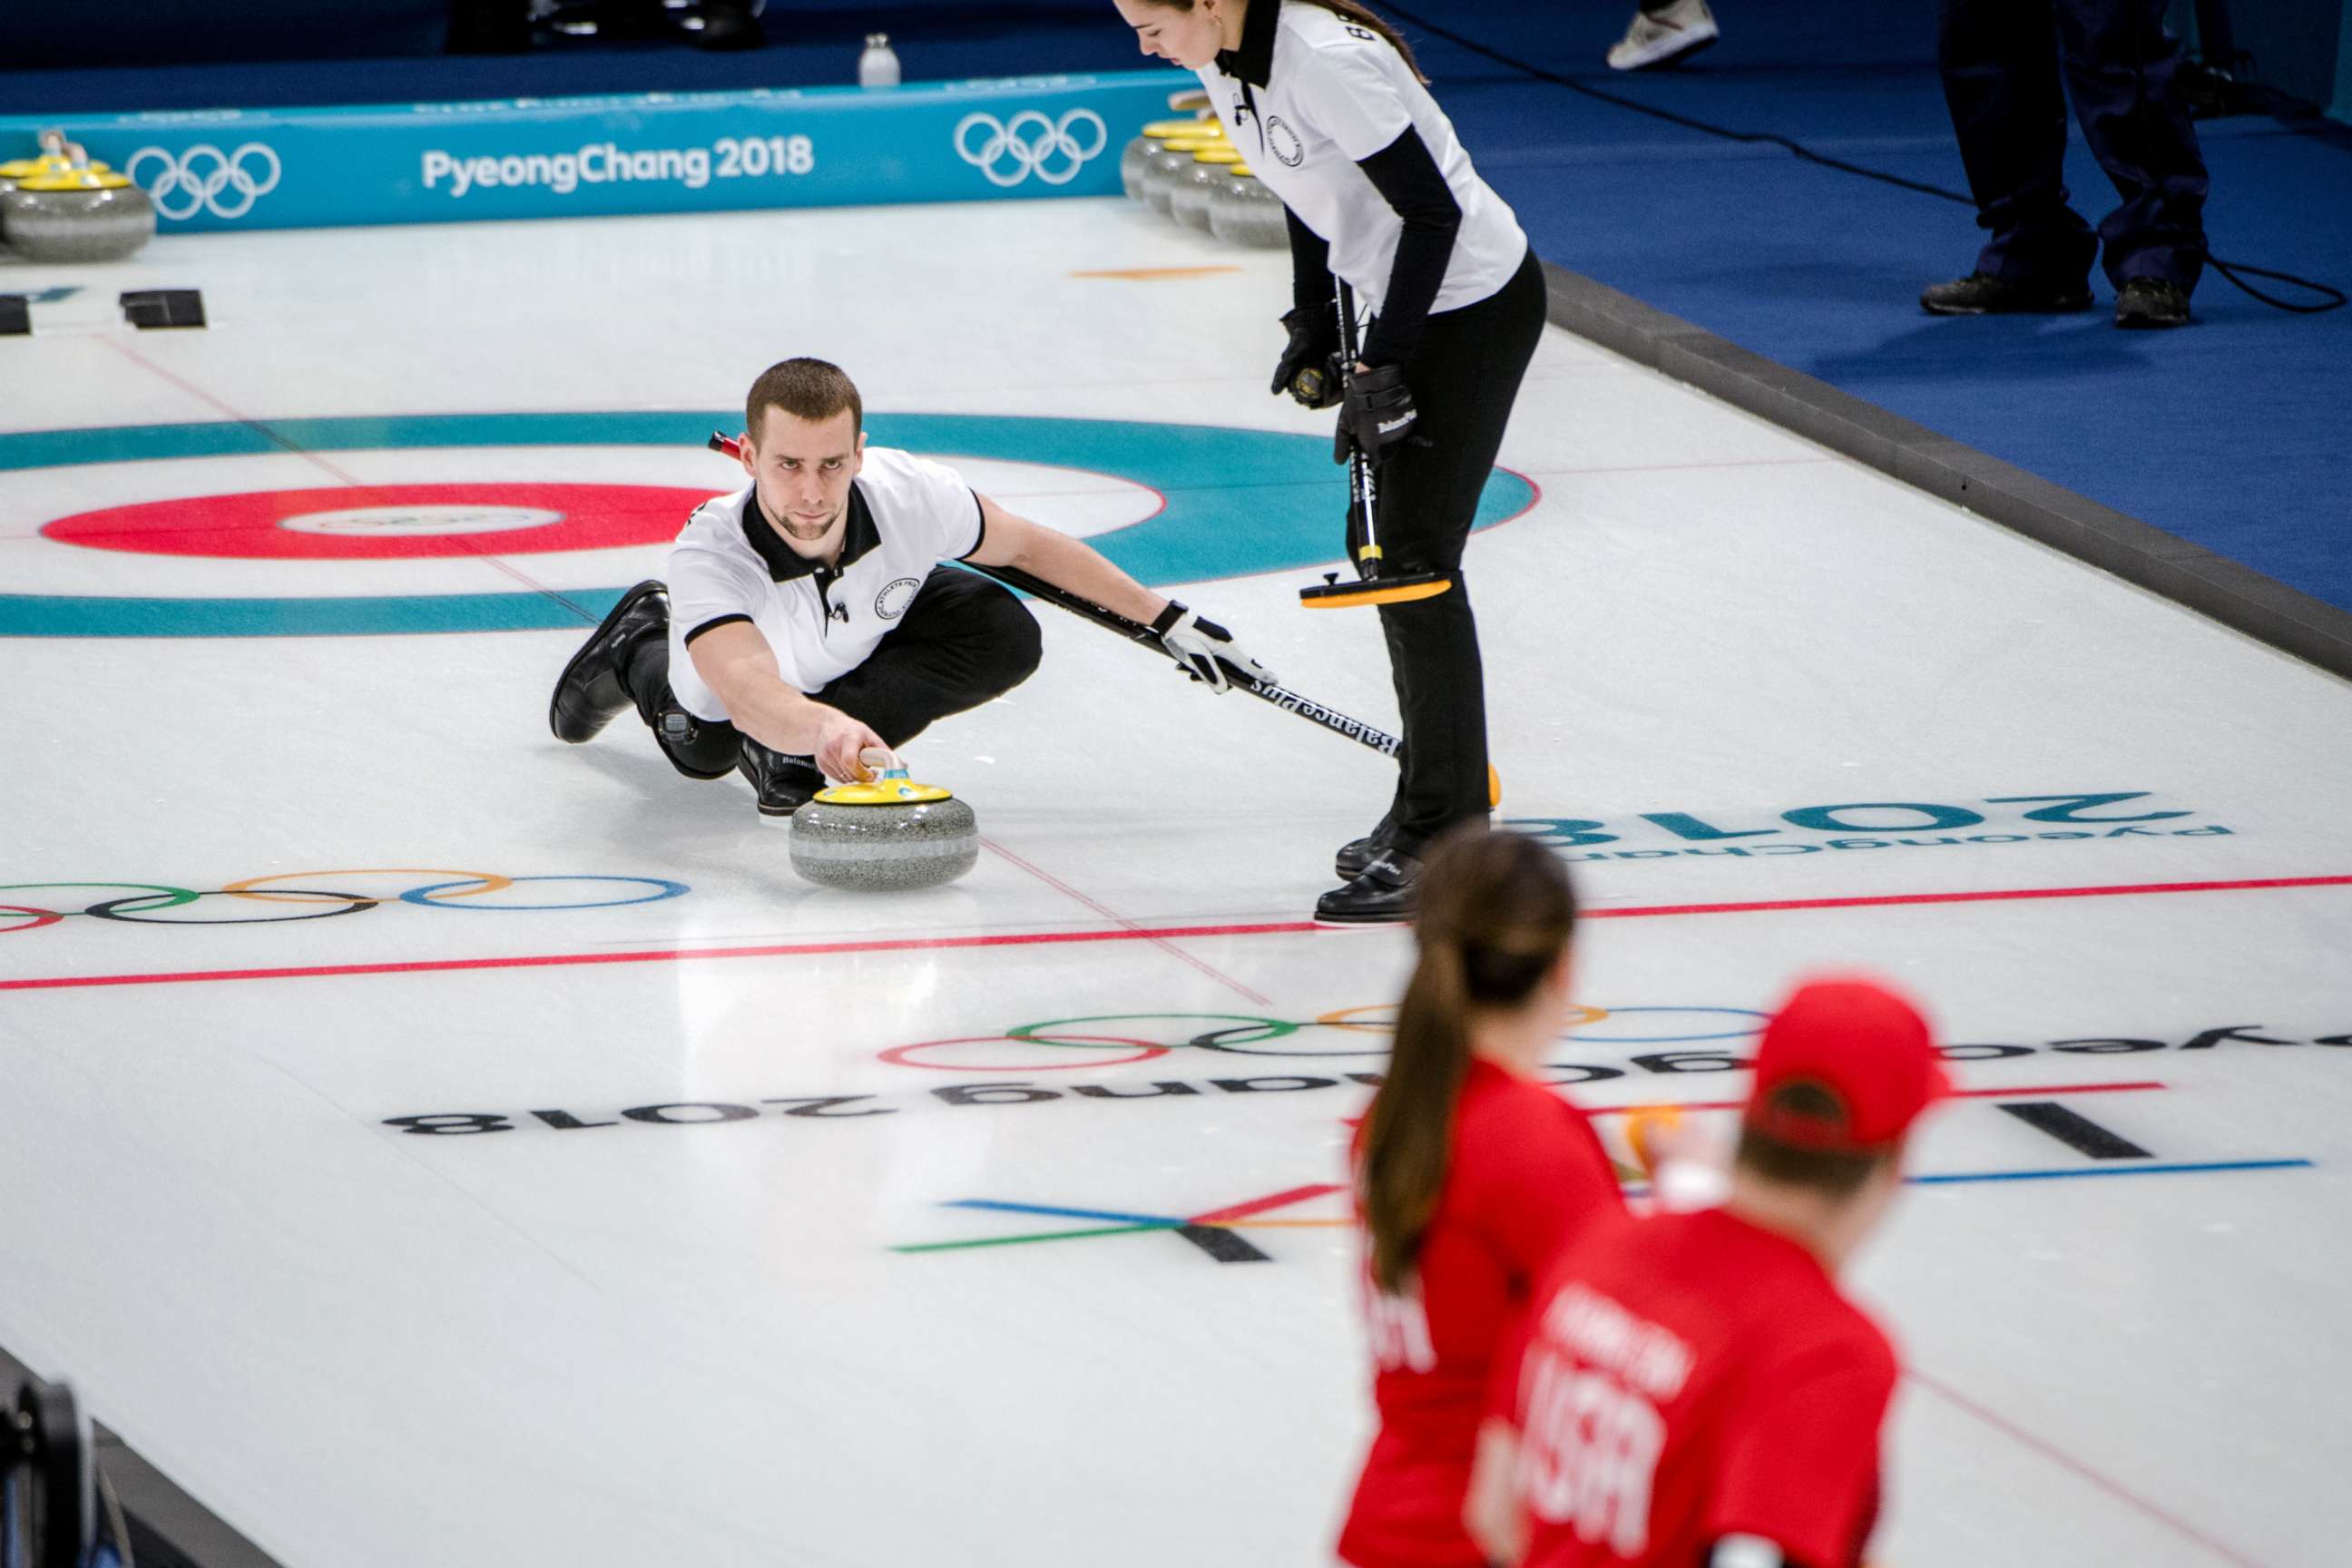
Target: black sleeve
1311	288
1409	178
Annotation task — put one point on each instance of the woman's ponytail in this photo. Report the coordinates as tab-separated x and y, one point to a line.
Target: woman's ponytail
1496	914
1409	1135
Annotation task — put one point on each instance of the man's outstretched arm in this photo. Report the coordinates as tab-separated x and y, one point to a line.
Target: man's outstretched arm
735	661
1077	567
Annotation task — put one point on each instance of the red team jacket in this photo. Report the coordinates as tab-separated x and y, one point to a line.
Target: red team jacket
1690	1376
1526	1174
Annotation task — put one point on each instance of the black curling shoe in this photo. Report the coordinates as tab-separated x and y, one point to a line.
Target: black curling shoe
1355	855
784	783
588	693
1384	894
1982	294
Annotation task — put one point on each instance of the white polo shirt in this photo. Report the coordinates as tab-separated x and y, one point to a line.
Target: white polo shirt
906	514
1337	93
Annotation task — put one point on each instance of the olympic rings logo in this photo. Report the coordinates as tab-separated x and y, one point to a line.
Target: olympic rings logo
1148	1036
1032	142
142	903
195	179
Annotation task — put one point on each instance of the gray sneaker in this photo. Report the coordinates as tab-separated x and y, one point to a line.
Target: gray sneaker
1982	294
1676	33
2151	302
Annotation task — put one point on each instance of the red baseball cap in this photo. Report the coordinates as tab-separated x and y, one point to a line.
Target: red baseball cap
1865	1046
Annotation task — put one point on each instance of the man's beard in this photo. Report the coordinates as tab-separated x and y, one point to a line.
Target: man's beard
806	534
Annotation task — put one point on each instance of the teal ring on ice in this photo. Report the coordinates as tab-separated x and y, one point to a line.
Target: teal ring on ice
1239	503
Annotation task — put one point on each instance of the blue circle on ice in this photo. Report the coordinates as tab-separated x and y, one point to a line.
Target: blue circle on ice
1240	502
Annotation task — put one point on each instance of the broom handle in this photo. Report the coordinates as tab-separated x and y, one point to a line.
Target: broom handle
1362	489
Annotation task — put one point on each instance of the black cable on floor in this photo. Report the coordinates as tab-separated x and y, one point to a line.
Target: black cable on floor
2229	269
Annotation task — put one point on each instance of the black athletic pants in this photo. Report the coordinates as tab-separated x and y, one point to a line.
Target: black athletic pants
964	641
2001	64
1464	376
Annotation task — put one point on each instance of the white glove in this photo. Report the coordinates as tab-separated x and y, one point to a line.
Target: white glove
1204	647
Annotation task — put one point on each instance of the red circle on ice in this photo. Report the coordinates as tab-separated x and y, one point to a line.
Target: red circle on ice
352	522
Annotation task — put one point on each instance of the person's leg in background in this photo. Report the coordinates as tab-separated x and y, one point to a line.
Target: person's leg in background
1998	60
1664	31
2123	69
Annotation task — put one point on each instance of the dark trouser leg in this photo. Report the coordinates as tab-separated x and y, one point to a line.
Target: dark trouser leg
1999	60
2122	70
699	748
1464	380
963	641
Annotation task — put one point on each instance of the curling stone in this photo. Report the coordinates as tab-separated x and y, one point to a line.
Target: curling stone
1189	203
887	836
83	213
1133	158
1243	212
1172	164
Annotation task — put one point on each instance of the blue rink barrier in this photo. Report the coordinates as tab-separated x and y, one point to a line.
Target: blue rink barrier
653	153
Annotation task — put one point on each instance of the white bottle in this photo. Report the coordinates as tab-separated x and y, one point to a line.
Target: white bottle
879	66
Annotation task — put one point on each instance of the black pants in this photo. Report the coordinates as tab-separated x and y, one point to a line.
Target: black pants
964	641
1464	376
2001	63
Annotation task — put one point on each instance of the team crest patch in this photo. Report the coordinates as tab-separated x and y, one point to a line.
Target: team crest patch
1283	142
892	601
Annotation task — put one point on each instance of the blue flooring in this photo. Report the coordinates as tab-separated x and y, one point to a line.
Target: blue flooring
2228	432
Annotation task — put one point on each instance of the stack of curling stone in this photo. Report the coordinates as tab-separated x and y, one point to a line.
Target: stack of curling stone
1171	165
53	160
1242	211
1189	202
1132	160
1187	169
81	212
891	835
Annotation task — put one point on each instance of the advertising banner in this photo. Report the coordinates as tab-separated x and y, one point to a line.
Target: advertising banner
655	152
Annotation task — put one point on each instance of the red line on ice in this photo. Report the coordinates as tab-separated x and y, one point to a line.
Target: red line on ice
1136	933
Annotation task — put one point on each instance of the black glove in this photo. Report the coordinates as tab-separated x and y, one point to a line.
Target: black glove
1309	367
1378	416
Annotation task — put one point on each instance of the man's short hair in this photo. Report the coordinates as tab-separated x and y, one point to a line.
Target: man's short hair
811	389
1839	1172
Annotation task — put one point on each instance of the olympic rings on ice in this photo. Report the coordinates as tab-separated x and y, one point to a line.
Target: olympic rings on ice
1031	143
904	1055
1154	1035
142	903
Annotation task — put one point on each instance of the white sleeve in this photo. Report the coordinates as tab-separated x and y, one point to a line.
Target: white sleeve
1342	91
948	507
707	590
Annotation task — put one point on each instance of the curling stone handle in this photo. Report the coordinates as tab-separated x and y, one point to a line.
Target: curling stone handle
883	763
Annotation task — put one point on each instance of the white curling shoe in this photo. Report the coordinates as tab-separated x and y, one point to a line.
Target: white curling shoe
1686	27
